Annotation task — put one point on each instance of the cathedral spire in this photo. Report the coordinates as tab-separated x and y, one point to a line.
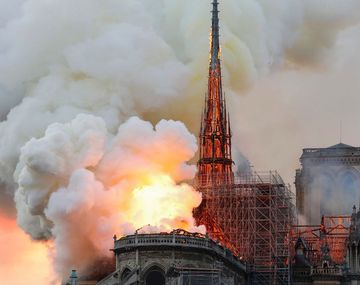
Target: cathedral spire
215	41
215	134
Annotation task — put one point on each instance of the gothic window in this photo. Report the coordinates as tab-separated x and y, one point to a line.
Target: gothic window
155	276
348	182
323	186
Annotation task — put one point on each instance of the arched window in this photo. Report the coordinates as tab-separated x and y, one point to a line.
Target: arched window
155	276
323	186
348	182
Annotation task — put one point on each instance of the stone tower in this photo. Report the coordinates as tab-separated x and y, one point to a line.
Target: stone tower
328	182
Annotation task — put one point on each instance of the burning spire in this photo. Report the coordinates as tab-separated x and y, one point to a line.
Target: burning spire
215	133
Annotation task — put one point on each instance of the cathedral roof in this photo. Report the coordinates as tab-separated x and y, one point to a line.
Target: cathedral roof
339	150
341	146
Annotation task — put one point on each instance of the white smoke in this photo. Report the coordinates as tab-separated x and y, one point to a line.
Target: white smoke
323	20
114	59
79	184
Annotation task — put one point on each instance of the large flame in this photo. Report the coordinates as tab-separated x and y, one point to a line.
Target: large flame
163	204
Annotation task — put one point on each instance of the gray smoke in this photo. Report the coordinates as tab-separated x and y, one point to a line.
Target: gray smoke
334	190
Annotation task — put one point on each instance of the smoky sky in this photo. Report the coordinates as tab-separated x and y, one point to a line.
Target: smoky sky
74	70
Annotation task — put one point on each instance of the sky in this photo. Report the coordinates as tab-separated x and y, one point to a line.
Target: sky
22	258
86	86
297	108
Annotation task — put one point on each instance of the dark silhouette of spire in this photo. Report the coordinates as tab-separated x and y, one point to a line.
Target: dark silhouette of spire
215	33
215	133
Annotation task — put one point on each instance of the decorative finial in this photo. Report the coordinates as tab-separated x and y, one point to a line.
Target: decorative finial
73	278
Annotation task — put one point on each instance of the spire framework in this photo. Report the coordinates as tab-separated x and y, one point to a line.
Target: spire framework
215	133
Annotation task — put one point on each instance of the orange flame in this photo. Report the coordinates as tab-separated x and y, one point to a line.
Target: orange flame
163	204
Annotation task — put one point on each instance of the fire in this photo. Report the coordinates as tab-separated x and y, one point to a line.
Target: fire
163	204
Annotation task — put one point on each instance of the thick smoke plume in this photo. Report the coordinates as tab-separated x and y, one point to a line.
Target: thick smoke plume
334	188
79	184
72	73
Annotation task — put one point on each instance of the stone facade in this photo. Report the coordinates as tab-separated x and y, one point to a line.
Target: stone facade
328	182
178	258
353	249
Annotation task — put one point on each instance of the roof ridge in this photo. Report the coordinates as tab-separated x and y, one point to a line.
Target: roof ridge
341	145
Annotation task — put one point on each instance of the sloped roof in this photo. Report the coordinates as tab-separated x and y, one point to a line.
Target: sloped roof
340	150
341	146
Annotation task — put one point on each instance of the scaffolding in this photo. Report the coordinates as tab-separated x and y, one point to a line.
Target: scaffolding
333	232
252	215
